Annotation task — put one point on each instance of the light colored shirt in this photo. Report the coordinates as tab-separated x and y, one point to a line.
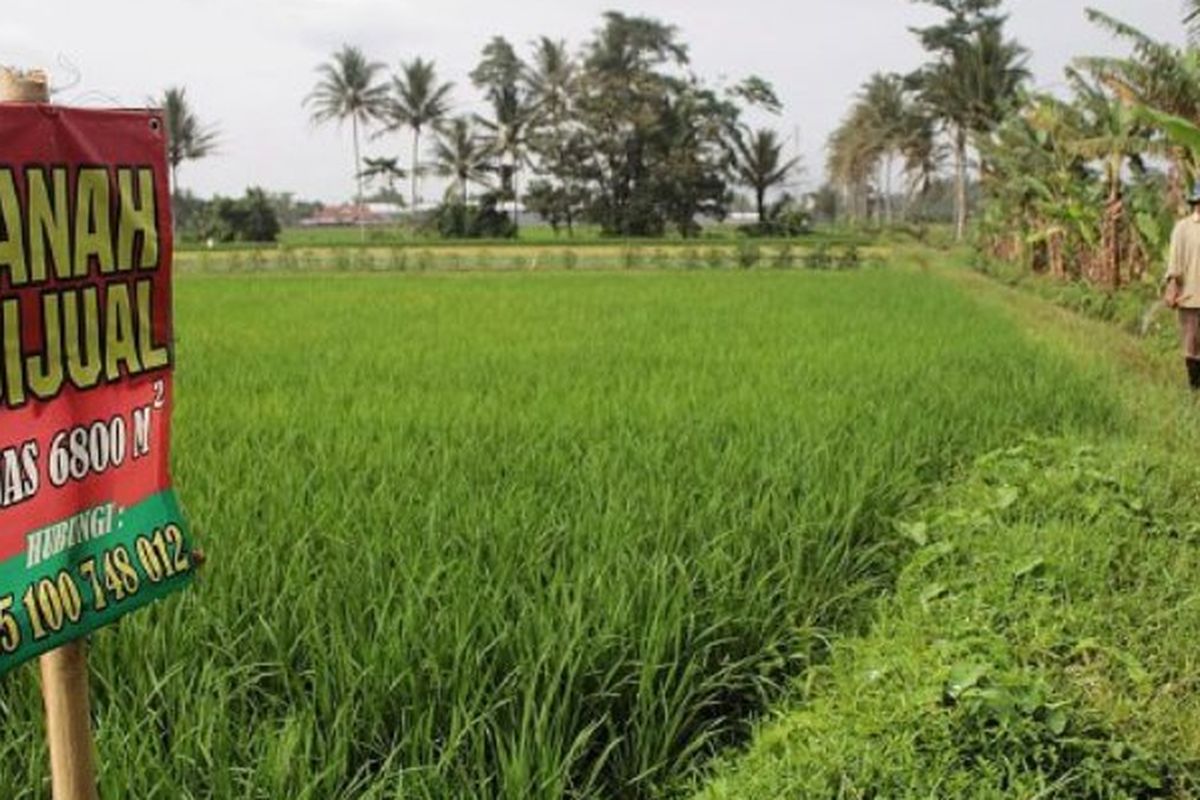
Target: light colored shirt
1183	263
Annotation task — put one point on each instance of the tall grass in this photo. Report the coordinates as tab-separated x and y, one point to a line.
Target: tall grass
529	535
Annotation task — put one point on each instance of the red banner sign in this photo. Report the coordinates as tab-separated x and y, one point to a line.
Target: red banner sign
89	526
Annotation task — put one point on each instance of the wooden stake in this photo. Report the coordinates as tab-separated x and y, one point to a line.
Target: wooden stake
65	670
68	722
23	87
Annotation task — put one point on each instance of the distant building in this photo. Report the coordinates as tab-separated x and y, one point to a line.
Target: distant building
354	214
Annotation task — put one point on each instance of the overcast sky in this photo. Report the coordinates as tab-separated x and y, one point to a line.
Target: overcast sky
247	64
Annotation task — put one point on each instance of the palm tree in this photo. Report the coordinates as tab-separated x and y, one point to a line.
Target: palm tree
504	79
923	153
760	165
348	89
884	104
852	155
386	169
461	156
1161	82
1191	18
187	138
550	79
969	89
418	102
505	136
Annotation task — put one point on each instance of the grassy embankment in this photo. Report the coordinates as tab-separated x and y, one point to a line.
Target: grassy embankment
1041	640
537	535
529	236
330	251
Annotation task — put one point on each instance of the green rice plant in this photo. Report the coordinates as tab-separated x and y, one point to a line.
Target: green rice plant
423	260
309	262
747	254
785	256
850	258
537	535
364	260
631	257
286	259
714	257
1082	625
568	259
397	259
819	257
690	257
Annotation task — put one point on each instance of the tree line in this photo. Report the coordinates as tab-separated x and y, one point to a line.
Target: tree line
621	132
912	124
1088	185
1084	183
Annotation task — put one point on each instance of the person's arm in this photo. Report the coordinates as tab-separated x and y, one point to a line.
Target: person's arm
1173	280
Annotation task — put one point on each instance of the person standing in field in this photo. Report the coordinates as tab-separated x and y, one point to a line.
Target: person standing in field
1182	289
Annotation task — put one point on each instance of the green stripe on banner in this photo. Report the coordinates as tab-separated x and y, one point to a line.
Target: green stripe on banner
85	572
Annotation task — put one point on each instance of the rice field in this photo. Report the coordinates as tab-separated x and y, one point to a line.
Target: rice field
546	535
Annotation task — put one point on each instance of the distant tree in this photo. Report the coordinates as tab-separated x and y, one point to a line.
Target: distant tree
349	89
248	219
761	167
455	220
385	170
888	121
553	137
289	210
419	101
1191	18
852	156
825	202
693	157
461	156
923	154
972	80
630	81
654	145
884	110
559	205
1162	82
757	92
187	138
549	79
502	76
499	67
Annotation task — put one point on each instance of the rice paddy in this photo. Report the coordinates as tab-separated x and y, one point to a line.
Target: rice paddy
560	534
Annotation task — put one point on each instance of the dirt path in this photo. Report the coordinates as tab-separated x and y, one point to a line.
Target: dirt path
1150	382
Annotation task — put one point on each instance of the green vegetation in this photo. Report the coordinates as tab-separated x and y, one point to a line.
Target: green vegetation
534	236
622	135
970	83
817	253
188	139
1037	645
539	536
1086	187
1137	310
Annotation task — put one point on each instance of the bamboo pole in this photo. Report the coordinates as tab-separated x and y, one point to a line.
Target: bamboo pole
65	670
68	722
17	86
